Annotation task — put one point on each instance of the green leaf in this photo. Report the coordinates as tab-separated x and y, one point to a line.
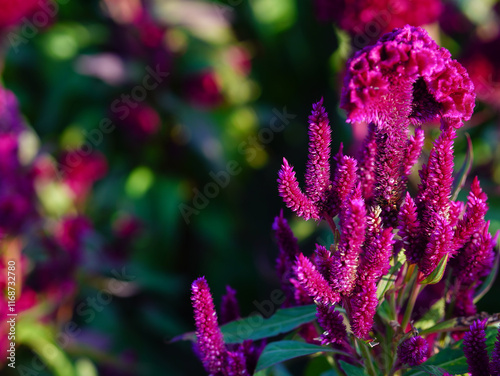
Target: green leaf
41	340
488	282
351	370
256	327
440	326
432	370
281	351
464	170
432	316
387	281
437	273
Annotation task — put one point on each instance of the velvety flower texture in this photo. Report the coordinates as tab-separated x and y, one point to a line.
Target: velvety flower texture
332	323
229	309
413	351
475	350
404	79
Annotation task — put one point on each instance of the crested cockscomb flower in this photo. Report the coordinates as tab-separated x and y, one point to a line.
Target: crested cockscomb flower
476	259
332	322
475	349
210	342
353	225
409	227
413	351
474	214
404	79
229	308
317	176
363	304
495	357
314	283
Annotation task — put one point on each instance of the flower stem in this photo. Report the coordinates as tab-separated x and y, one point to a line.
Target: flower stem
367	358
411	303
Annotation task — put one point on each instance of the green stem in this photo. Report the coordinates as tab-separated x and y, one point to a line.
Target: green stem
368	359
411	303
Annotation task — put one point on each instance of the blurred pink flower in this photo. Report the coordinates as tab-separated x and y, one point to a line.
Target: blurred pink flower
203	90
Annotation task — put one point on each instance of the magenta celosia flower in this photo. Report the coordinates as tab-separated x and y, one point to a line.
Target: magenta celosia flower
344	181
495	357
476	259
475	349
376	259
415	144
367	164
317	176
464	302
474	215
229	308
210	343
368	19
353	225
440	243
332	323
413	351
363	304
314	283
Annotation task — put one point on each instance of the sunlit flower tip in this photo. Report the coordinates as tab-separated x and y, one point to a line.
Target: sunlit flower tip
317	176
313	282
413	351
409	229
408	74
229	309
374	222
475	260
363	307
440	243
343	183
415	144
475	349
474	214
332	323
210	342
495	357
293	197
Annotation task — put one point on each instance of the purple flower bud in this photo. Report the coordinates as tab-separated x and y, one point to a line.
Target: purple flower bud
210	343
413	351
317	176
343	184
229	308
332	323
236	364
376	259
409	230
293	197
313	282
475	349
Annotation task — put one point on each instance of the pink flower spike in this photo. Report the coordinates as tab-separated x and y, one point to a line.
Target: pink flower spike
210	341
317	176
367	164
343	184
474	214
415	144
440	243
332	323
313	282
409	230
475	349
363	307
293	197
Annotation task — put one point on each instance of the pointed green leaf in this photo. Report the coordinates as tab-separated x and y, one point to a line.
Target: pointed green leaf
387	280
440	326
432	316
351	370
437	273
281	351
464	170
256	327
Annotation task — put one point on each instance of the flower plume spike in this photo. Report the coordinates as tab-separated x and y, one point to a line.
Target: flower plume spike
495	357
409	229
413	351
343	184
332	323
230	309
210	342
317	176
475	349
